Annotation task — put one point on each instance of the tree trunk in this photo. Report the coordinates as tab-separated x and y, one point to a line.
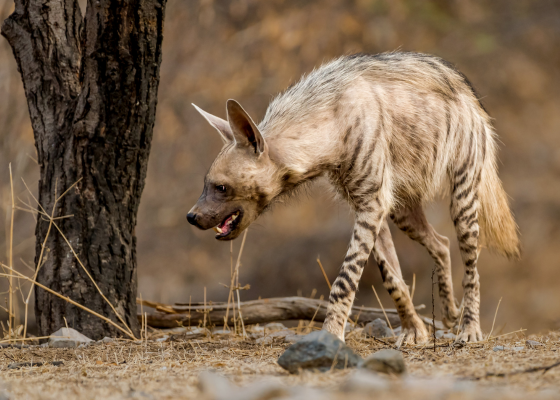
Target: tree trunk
91	86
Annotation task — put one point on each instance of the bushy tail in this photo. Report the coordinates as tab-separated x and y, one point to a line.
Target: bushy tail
498	228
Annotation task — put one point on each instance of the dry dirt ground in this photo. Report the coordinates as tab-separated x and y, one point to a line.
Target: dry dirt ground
171	370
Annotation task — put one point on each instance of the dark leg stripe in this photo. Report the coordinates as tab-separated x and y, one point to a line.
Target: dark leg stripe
463	210
350	257
339	284
352	268
349	281
366	225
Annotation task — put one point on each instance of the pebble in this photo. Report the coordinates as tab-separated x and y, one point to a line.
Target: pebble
269	338
378	329
67	338
504	348
365	381
386	361
319	350
216	387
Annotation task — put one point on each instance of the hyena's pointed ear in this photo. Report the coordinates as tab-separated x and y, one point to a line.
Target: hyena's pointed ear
221	125
244	129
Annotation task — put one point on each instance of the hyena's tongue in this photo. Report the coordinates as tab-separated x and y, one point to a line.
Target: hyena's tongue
225	227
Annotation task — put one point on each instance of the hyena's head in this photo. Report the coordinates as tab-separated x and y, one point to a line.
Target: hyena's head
241	182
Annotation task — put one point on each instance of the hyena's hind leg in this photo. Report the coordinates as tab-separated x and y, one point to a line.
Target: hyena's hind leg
464	212
413	329
413	222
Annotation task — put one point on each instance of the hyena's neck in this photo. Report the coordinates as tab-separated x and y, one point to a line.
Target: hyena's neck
303	151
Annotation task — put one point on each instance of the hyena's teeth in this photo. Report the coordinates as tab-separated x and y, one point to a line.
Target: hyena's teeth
233	217
217	229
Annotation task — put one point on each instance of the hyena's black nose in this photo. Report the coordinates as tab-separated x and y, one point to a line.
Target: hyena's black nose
191	217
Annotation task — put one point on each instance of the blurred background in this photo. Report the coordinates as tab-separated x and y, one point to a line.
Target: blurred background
250	50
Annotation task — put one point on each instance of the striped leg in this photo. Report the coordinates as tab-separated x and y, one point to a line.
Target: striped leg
344	288
464	211
413	329
412	221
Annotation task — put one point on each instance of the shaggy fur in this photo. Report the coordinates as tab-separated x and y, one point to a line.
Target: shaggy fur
391	132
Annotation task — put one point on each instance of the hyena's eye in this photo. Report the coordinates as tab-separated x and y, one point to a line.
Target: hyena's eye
221	188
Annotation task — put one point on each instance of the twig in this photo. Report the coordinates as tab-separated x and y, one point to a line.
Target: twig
11	316
230	288
51	223
68	299
413	286
237	280
383	309
205	311
544	368
494	321
433	308
324	273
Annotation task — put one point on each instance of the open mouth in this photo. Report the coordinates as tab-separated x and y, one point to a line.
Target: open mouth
228	225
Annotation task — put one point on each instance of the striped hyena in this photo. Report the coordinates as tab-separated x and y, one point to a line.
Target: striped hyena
391	132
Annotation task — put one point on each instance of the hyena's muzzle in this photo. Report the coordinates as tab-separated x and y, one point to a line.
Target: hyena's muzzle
224	218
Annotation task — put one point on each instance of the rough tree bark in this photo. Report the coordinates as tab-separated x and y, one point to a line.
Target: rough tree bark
91	86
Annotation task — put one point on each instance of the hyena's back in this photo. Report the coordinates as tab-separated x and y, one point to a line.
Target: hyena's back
411	114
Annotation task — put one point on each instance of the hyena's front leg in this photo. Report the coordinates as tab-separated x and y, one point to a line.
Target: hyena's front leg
413	329
366	228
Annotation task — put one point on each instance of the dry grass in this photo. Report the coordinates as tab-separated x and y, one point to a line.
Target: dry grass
170	369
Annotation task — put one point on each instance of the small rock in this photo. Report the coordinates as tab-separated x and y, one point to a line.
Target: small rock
365	381
377	329
260	390
387	361
504	348
274	326
533	343
216	387
318	350
34	364
306	393
107	340
293	338
269	338
67	337
213	385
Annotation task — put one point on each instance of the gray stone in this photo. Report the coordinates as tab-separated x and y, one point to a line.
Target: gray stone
67	338
533	343
274	326
319	350
107	339
378	329
365	381
387	361
504	348
216	387
270	338
293	338
213	385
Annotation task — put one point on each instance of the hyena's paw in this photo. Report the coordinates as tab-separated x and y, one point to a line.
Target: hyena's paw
414	332
470	333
